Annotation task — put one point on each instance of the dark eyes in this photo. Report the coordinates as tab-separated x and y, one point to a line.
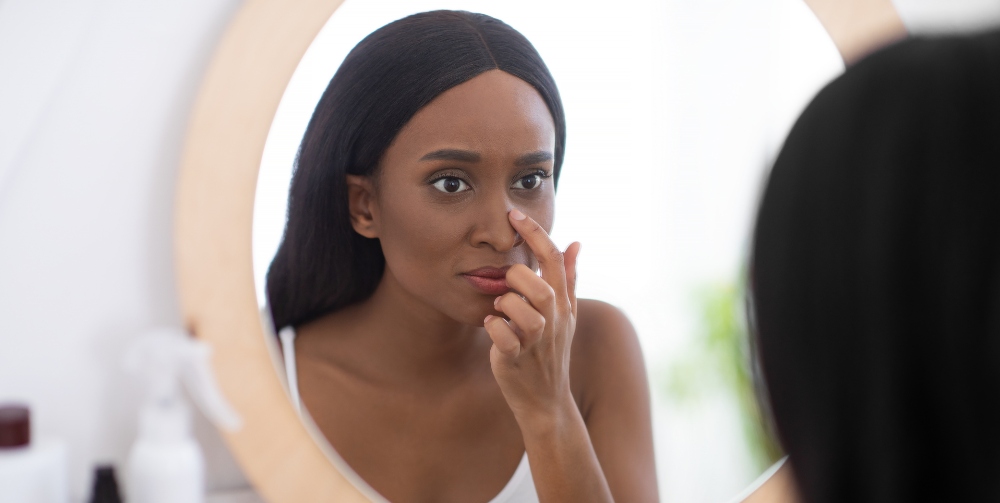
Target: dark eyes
454	185
451	184
528	182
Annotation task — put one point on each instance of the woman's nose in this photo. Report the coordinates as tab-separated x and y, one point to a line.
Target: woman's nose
492	225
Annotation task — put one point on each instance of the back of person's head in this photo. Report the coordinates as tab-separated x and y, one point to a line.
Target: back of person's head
322	264
875	279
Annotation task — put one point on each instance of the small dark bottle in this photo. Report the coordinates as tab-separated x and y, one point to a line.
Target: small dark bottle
105	486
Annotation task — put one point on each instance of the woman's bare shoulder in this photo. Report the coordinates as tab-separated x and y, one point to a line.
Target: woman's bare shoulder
601	327
608	370
606	356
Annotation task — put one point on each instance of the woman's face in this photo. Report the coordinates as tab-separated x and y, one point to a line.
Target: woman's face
446	183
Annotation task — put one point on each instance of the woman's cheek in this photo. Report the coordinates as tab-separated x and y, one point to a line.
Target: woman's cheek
419	247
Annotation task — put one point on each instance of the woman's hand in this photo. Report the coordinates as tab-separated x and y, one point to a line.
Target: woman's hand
530	354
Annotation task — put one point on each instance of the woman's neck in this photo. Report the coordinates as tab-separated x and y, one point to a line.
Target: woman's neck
394	336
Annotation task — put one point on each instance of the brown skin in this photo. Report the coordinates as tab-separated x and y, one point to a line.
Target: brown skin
421	400
778	488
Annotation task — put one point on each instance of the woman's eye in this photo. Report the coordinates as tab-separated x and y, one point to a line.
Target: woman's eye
451	184
528	182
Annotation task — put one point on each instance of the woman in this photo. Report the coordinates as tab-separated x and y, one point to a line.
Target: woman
427	350
876	279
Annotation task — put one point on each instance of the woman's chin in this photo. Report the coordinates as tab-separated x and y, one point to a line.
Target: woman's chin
476	312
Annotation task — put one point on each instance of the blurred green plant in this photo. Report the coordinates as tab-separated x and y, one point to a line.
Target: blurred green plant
719	357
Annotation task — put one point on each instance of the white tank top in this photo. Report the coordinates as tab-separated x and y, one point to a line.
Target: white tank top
519	489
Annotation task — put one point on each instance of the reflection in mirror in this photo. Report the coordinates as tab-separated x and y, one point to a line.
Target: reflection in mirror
671	113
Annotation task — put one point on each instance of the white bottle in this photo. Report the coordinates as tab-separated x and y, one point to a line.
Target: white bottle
30	471
165	464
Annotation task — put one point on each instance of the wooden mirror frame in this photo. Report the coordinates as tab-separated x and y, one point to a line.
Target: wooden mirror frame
283	457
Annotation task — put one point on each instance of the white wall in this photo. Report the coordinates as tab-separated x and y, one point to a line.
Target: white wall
94	100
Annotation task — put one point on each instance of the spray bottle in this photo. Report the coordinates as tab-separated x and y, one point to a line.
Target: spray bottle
165	464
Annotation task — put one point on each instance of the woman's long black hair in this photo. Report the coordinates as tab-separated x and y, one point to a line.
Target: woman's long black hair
876	279
322	264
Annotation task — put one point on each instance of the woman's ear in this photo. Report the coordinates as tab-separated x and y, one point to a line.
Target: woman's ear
361	205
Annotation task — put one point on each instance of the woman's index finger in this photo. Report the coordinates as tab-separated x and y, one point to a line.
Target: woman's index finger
550	258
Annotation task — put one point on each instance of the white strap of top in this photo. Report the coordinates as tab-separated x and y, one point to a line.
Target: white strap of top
287	336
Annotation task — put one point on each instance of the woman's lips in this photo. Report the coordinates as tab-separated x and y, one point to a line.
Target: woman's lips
489	280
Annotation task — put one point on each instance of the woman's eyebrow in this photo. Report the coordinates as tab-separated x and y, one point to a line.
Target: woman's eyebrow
451	155
533	158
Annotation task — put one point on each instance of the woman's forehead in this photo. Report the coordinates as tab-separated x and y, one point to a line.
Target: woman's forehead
493	114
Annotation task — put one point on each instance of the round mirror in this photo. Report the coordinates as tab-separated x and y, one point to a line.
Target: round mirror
672	110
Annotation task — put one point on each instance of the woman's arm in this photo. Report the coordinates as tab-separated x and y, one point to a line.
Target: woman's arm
530	360
614	407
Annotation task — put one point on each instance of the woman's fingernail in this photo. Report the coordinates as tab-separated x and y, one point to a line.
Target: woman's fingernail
488	318
497	300
516	215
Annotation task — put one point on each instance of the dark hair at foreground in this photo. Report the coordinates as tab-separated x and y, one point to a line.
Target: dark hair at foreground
876	279
322	264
